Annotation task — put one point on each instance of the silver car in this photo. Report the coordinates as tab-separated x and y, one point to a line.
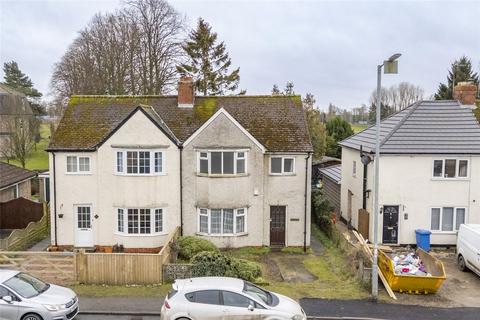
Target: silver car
226	298
24	297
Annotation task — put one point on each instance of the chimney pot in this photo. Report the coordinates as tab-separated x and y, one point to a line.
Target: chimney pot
186	95
465	92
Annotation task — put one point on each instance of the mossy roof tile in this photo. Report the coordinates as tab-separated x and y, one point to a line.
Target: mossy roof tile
277	122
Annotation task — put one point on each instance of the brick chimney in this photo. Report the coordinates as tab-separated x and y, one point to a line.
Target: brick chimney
186	95
465	92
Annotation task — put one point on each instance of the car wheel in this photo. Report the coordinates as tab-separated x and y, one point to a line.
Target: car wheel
31	316
461	263
182	319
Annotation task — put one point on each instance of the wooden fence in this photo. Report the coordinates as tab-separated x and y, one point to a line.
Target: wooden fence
19	212
20	239
124	268
53	267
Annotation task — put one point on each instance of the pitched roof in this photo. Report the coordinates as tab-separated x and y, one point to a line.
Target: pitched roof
277	122
426	127
333	172
13	102
10	174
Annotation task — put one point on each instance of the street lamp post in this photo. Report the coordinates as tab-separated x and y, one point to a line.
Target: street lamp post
390	66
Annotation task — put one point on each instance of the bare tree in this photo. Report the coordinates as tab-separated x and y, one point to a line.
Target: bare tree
132	51
23	130
398	97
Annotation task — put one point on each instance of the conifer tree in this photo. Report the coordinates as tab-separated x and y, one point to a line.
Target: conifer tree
461	70
208	62
19	81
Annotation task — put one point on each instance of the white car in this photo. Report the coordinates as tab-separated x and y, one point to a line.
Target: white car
226	298
468	247
24	297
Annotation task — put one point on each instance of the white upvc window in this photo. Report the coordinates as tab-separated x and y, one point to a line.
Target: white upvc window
450	168
281	165
78	164
447	219
140	162
140	221
222	162
222	222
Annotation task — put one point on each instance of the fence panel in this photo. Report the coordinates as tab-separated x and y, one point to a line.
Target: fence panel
53	267
19	212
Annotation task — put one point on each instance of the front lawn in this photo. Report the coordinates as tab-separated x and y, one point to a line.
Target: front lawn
150	291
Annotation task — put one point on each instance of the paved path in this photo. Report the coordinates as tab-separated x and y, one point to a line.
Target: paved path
41	245
121	304
367	309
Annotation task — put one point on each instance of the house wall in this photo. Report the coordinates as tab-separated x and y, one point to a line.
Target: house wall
106	191
24	190
256	190
407	181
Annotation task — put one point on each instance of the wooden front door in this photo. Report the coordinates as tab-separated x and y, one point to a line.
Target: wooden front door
277	225
390	224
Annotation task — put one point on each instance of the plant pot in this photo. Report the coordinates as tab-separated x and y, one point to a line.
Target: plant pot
108	249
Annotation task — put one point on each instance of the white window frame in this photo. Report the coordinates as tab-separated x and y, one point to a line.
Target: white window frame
138	234
457	168
441	217
209	160
222	234
152	162
282	173
77	162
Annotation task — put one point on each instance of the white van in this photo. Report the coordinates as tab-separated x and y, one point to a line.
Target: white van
468	247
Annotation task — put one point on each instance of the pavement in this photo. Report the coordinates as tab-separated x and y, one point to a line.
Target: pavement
41	245
138	308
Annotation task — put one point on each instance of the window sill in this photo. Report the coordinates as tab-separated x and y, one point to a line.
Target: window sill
136	235
444	232
243	234
79	173
139	175
449	179
222	175
282	174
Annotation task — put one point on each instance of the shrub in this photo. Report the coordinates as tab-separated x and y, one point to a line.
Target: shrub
190	246
209	264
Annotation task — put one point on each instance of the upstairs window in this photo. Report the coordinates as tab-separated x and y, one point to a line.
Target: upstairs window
450	168
222	162
140	162
76	164
282	165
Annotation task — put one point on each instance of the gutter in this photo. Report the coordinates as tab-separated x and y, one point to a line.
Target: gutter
306	203
55	199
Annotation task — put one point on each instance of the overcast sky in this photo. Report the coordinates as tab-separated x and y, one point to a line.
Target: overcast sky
329	48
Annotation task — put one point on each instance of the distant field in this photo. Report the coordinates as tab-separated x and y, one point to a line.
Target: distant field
38	159
358	127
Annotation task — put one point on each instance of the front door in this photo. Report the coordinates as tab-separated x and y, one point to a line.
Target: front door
84	232
277	225
390	224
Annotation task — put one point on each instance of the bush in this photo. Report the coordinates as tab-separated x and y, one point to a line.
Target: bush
190	246
215	264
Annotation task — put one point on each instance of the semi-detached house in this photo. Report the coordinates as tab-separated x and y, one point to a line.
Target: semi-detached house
232	169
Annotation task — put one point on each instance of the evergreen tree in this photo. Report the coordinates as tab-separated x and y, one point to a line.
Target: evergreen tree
337	130
209	62
19	81
461	70
386	111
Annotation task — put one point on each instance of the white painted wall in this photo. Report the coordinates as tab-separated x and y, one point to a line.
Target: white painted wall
407	181
106	191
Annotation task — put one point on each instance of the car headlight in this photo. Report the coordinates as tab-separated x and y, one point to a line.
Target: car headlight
297	317
54	307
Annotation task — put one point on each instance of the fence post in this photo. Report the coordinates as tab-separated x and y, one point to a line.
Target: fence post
81	266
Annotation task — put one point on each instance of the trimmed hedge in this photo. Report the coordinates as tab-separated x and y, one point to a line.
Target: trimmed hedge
215	264
190	246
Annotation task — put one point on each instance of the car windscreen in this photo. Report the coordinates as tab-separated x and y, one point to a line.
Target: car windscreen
26	285
258	293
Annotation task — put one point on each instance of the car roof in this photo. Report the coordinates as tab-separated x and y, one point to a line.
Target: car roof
7	274
204	283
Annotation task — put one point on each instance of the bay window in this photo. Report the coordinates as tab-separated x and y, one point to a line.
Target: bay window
140	221
140	162
222	162
447	219
222	221
450	168
282	165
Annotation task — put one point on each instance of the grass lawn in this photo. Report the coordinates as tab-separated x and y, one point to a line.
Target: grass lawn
121	291
358	127
38	159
